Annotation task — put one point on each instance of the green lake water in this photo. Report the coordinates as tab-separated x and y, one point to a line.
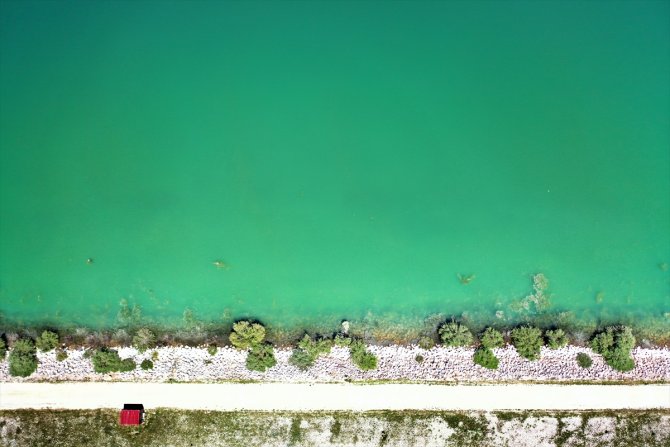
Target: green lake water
343	159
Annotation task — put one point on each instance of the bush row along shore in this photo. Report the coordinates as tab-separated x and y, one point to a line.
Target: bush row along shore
611	357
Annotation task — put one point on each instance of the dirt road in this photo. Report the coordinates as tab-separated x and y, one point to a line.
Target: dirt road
277	396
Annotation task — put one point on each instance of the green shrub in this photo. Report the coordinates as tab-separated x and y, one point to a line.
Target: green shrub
613	337
357	346
455	334
61	355
246	335
615	344
3	349
127	365
419	358
47	341
584	360
527	340
23	358
492	338
365	360
154	356
144	339
485	357
107	360
212	349
624	338
603	342
147	364
308	351
556	338
261	357
426	342
361	357
301	359
342	340
620	360
315	347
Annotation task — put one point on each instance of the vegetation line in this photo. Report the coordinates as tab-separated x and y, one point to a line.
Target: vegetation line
614	343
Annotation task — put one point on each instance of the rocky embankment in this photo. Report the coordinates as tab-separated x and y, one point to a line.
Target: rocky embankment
186	364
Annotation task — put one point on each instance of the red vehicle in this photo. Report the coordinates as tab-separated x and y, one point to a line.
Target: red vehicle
132	414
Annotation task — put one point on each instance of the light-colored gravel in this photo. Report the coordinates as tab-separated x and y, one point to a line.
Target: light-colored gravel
186	364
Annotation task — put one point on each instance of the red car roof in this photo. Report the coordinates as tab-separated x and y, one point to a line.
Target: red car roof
130	417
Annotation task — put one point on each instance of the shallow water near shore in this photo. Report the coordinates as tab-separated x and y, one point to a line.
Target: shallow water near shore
338	160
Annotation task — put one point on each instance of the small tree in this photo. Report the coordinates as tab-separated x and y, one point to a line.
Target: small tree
620	360
492	338
261	357
147	364
47	341
107	360
361	357
127	365
615	344
246	335
485	357
144	339
613	337
23	358
603	342
527	340
584	360
556	338
455	334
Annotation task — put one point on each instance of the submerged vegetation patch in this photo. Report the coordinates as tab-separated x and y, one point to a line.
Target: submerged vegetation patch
614	343
372	329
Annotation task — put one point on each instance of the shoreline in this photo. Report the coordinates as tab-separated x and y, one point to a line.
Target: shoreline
652	330
441	365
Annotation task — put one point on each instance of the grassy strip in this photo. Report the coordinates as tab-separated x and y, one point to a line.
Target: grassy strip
165	427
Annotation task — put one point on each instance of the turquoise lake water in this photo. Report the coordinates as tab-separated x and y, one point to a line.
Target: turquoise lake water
341	158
